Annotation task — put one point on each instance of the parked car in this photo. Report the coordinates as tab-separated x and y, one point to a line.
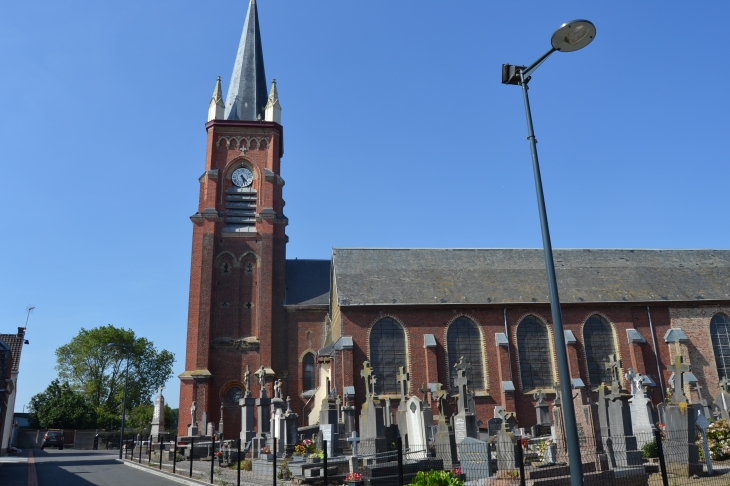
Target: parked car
53	438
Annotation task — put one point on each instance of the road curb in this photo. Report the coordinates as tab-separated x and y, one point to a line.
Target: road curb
164	474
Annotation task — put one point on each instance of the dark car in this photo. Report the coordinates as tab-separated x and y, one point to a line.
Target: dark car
53	438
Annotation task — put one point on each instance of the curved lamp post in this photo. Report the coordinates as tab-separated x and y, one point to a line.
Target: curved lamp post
124	401
570	37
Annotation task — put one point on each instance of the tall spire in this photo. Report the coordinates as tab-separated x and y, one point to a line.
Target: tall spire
247	95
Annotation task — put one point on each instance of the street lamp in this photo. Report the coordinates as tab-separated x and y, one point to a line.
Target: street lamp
570	37
124	401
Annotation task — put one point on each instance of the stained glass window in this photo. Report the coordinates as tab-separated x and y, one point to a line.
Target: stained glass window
599	344
720	333
535	356
387	353
464	340
308	372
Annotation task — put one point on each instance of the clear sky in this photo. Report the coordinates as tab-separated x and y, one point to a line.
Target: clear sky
398	133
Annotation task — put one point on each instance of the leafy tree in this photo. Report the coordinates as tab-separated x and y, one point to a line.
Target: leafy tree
60	407
96	369
140	418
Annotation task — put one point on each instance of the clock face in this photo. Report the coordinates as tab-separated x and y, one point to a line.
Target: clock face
242	177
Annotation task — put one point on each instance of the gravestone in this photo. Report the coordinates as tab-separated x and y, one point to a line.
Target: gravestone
204	423
416	428
493	426
680	451
476	459
444	442
723	400
702	424
372	422
158	415
505	443
642	416
403	377
465	421
558	429
210	430
220	424
703	402
247	404
620	442
291	427
263	403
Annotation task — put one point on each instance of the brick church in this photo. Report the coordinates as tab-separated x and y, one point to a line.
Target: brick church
313	323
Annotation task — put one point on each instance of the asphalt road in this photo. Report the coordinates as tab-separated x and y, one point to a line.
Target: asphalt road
74	468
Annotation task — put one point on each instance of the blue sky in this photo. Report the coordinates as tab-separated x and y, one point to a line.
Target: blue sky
398	133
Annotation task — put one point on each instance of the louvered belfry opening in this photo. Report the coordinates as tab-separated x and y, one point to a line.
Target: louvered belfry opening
240	209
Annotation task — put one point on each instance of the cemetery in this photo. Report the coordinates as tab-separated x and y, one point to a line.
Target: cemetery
618	437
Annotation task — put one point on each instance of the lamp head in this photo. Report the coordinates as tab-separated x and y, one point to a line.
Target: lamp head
574	35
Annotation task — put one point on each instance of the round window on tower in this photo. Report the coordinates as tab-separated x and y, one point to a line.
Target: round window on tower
231	393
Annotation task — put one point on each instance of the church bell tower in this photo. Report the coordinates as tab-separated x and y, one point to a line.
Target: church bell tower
239	243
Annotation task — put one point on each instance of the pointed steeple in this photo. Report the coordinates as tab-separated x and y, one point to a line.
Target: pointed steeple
273	108
216	106
246	98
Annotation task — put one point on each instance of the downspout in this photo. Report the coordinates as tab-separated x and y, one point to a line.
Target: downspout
656	356
509	355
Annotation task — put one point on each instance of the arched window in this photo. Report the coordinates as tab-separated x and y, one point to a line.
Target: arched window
387	353
720	333
599	344
463	339
308	372
536	358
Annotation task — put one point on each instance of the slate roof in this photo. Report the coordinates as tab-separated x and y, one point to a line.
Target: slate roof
15	342
510	276
307	282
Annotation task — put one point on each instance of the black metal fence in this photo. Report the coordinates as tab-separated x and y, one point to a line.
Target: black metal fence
656	459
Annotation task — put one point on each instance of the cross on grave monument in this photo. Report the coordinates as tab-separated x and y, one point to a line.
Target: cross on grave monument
461	383
403	378
723	384
679	370
703	402
354	440
630	376
367	373
424	390
614	366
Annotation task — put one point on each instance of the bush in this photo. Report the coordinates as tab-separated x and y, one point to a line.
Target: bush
650	449
436	478
718	438
245	465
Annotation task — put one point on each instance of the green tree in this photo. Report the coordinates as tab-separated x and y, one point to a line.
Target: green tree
96	369
140	418
60	407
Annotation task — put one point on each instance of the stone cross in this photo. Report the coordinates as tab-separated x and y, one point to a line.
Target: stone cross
424	390
288	405
505	415
630	376
367	374
354	440
193	412
723	384
403	378
557	396
461	382
261	375
614	365
247	382
539	397
679	369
